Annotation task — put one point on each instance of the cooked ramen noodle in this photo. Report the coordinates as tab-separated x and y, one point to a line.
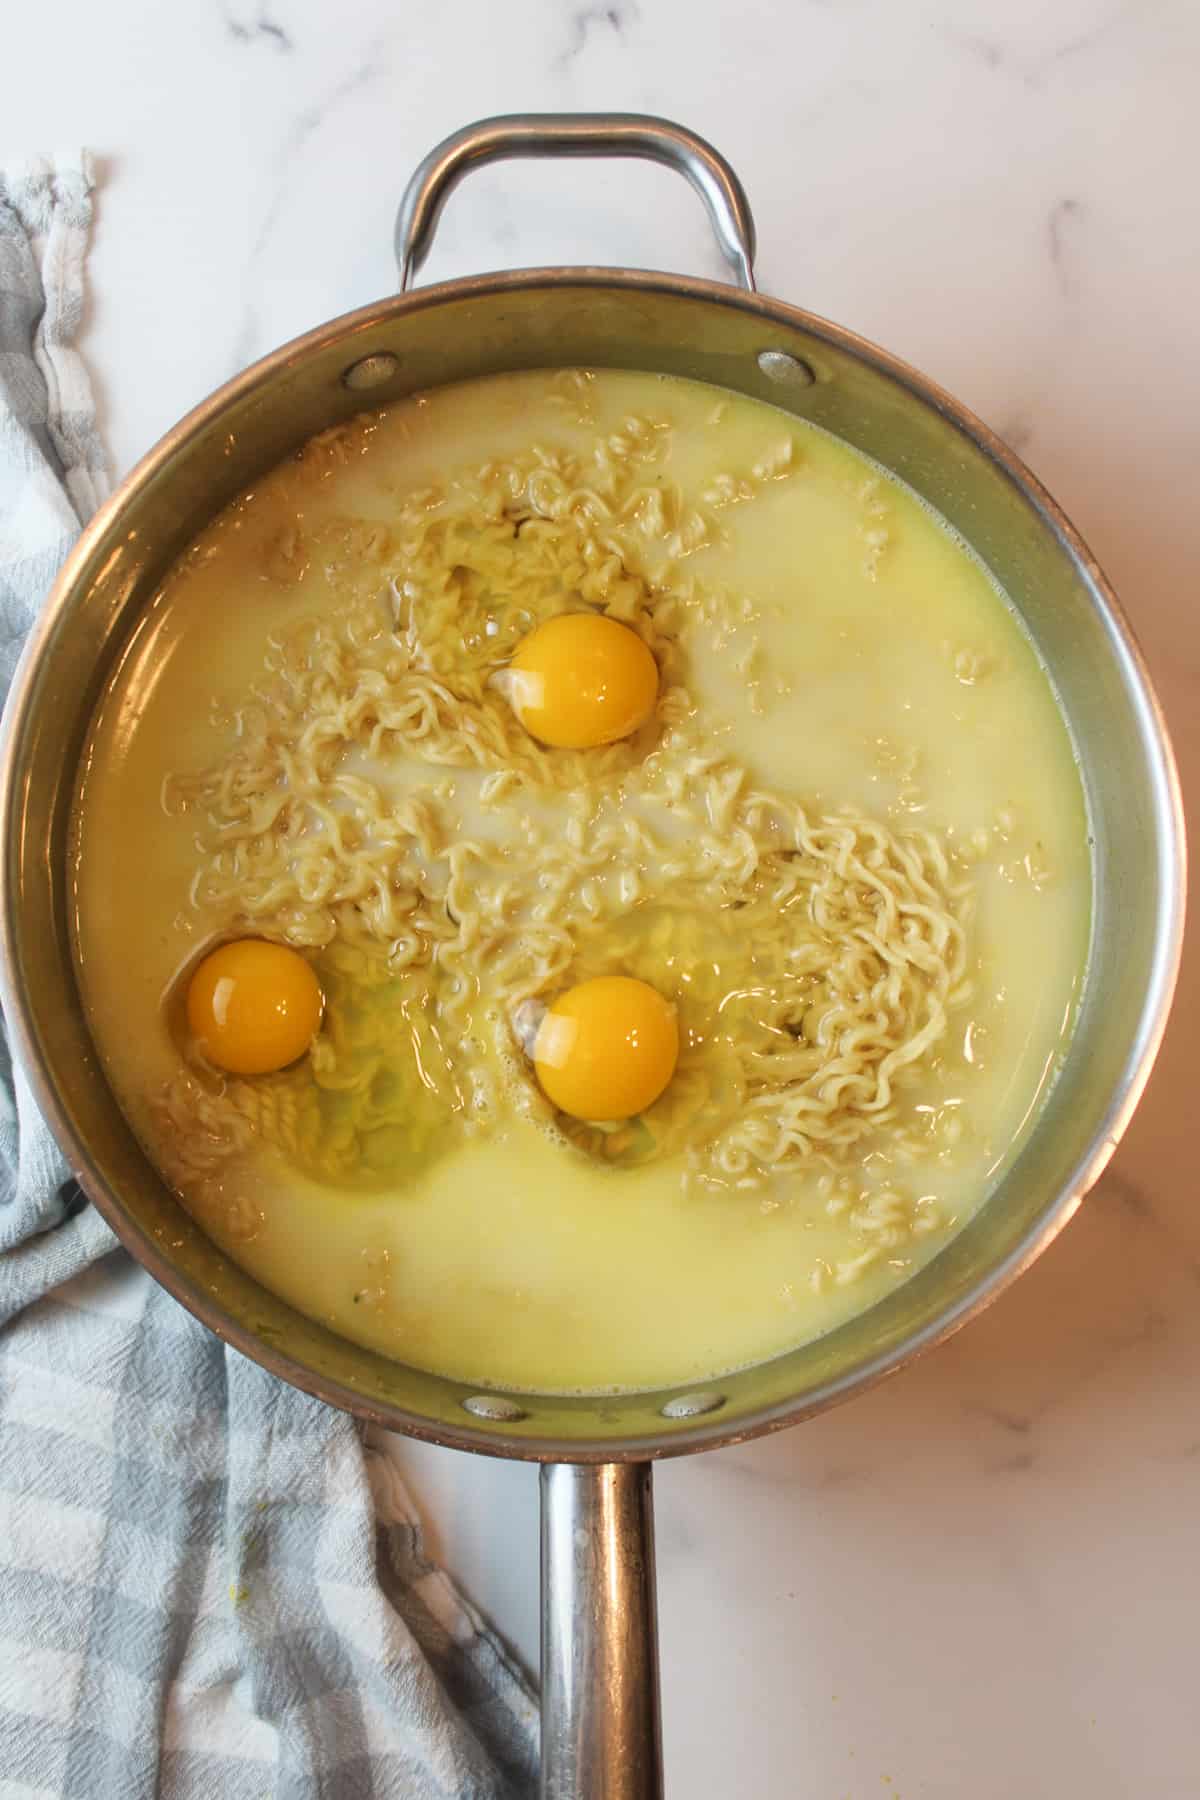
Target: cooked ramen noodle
512	708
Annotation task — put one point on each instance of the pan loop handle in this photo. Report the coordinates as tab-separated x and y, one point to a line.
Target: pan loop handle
575	134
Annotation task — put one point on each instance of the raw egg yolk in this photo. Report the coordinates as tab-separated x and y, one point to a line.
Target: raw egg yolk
253	1007
582	679
607	1048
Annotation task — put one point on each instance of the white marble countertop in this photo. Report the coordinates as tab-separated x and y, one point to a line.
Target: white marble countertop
977	1582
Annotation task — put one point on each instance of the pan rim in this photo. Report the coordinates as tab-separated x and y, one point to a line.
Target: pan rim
1052	1218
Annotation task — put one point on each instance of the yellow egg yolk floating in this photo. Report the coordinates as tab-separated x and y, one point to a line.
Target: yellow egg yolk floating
253	1007
582	679
607	1048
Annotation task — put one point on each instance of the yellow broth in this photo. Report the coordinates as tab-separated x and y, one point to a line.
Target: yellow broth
832	639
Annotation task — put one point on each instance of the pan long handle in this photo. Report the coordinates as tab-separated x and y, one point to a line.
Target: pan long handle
601	1737
575	134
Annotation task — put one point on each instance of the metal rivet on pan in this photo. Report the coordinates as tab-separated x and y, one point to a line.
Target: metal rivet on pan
787	370
495	1407
370	371
689	1406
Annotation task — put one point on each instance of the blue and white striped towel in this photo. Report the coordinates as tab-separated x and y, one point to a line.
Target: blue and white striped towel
208	1586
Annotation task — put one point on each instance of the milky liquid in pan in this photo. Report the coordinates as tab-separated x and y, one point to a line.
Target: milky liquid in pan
511	1261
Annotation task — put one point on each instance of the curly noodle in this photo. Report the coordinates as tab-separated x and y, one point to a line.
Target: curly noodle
381	807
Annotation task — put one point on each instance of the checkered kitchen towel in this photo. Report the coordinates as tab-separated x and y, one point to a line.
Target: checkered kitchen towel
200	1594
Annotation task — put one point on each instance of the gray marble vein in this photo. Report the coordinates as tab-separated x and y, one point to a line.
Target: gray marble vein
258	27
585	22
1066	220
307	123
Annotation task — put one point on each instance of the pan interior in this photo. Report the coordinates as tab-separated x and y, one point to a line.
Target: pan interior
481	328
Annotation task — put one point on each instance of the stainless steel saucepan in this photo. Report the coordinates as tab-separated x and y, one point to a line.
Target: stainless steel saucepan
600	1689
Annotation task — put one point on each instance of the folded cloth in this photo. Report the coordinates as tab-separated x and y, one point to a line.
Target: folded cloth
209	1586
